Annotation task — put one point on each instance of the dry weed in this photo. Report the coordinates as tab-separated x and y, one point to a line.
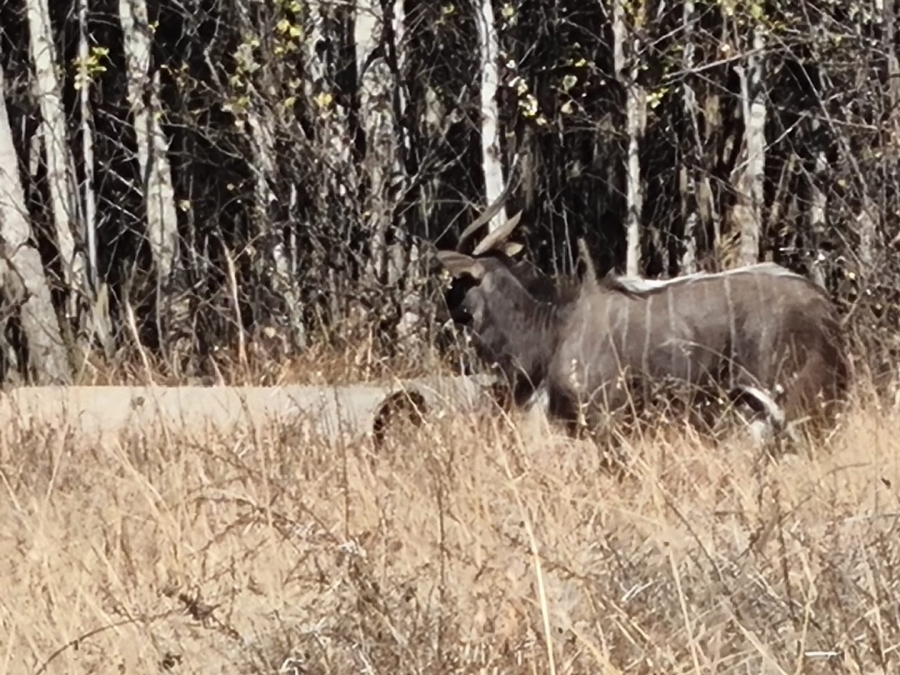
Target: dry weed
477	544
262	365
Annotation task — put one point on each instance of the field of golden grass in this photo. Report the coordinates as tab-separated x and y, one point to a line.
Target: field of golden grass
480	544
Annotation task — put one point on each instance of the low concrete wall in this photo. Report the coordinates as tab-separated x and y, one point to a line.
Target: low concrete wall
333	411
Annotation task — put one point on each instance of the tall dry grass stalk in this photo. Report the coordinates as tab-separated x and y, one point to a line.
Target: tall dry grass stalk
263	363
479	545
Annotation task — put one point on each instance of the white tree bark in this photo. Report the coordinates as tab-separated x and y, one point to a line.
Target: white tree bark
332	135
152	146
893	66
818	208
21	272
98	322
689	213
749	183
384	139
87	144
636	123
490	129
381	163
399	31
867	227
332	155
53	132
262	92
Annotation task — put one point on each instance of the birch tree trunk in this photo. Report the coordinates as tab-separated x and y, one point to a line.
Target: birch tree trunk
867	228
380	164
331	126
143	95
636	122
98	321
689	212
24	282
748	179
818	207
260	118
87	144
53	132
332	154
490	115
893	68
382	99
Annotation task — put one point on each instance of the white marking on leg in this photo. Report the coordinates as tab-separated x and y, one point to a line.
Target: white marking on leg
774	412
540	399
760	432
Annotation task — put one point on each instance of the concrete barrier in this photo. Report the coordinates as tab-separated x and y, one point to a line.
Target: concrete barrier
334	412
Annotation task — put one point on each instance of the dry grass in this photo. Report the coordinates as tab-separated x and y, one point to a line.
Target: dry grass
482	546
262	364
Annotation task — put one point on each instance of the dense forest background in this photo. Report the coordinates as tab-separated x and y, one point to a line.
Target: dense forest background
180	179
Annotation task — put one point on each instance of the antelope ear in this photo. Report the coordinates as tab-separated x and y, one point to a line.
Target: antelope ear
498	236
459	264
512	248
